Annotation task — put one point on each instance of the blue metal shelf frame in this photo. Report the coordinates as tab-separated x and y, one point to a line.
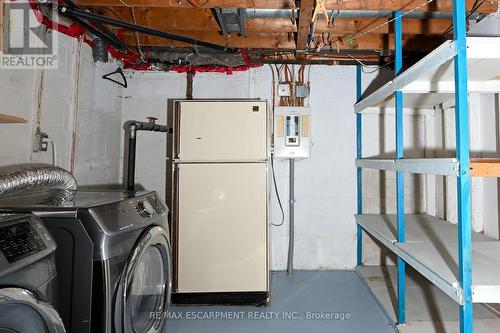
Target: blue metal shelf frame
400	186
359	153
463	159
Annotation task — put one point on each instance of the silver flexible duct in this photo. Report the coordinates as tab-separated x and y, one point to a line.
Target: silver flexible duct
20	178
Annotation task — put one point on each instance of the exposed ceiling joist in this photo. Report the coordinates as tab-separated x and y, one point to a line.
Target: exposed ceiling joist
193	3
304	24
265	27
278	42
410	26
173	20
488	6
437	5
250	40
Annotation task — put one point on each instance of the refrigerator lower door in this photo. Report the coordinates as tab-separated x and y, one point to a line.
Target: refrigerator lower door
222	228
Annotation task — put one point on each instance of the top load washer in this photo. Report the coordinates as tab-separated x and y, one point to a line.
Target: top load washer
113	256
27	276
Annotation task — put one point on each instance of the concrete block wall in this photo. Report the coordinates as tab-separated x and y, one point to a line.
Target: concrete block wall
61	102
325	183
147	95
98	124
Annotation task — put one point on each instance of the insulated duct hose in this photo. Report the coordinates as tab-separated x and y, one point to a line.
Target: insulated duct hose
21	178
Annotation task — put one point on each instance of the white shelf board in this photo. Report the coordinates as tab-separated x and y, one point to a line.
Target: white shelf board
431	166
430	81
431	248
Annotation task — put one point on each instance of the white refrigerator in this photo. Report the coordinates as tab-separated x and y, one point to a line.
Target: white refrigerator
219	158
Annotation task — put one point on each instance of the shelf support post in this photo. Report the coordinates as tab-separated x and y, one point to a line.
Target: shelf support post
398	66
359	154
463	181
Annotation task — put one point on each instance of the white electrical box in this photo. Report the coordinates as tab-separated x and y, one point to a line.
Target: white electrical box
284	90
301	91
292	132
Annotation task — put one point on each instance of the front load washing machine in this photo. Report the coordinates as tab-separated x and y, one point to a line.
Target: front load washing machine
113	257
27	276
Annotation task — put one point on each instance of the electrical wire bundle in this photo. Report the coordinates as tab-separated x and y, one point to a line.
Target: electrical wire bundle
286	74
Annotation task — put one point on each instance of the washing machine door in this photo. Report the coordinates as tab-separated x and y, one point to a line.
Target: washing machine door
145	288
21	311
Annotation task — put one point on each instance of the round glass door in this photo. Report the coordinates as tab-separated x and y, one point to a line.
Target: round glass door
147	284
147	291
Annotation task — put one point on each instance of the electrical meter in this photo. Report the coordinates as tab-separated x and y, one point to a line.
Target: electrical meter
292	128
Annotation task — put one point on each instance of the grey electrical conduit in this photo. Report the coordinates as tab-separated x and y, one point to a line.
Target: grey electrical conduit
291	217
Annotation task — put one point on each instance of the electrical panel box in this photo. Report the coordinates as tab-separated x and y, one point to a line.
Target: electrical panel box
292	132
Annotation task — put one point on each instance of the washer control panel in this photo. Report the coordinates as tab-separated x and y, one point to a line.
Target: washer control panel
23	236
20	240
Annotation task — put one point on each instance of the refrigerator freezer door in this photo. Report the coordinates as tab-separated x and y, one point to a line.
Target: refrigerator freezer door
222	228
221	131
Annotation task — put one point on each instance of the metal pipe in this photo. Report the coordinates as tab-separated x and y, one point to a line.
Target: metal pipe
20	178
294	13
95	18
132	126
99	29
110	37
291	217
132	145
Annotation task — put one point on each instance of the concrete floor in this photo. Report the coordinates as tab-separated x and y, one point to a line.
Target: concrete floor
327	293
428	309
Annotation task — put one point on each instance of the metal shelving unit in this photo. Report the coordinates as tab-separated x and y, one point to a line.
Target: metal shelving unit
440	251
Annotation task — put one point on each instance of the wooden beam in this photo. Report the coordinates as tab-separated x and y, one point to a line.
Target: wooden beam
168	19
488	6
284	41
485	167
410	26
253	41
304	24
197	3
418	43
174	19
8	119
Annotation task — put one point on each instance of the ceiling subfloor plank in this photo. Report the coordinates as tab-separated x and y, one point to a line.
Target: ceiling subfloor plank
410	26
488	6
198	3
280	42
252	41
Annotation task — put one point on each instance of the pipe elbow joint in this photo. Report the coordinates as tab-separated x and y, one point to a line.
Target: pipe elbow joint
131	127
